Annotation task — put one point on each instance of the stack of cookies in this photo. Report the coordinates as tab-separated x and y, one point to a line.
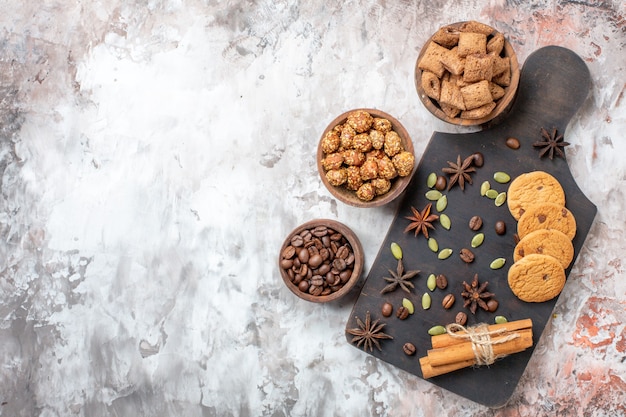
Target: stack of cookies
545	228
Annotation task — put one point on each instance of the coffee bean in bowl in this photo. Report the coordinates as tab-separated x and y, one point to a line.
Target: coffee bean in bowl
365	158
467	74
321	260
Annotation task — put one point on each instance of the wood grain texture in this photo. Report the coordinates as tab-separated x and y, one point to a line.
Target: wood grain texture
553	85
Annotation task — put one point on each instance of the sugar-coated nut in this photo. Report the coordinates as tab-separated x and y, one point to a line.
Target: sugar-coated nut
381	185
382	125
330	142
386	168
403	161
366	192
393	144
360	120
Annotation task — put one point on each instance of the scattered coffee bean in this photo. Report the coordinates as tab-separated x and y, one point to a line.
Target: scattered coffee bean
478	159
448	301
409	349
441	281
431	282
436	330
492	305
461	318
475	223
513	143
402	313
441	183
426	301
431	180
466	255
500	227
387	309
516	238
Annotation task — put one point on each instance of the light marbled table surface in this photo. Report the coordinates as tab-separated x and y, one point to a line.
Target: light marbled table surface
155	154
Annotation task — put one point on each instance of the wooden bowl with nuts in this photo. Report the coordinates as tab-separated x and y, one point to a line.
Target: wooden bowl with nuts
467	74
365	158
321	260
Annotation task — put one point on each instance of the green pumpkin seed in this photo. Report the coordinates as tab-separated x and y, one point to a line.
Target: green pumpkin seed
501	320
442	203
444	220
500	199
484	187
433	195
497	263
436	330
501	177
431	282
478	239
491	193
406	303
433	245
426	301
431	180
396	250
444	253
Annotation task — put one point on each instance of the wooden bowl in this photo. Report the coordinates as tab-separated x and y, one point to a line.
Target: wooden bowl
398	184
356	266
503	104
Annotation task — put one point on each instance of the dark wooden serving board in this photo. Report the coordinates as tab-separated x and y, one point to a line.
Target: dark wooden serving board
554	84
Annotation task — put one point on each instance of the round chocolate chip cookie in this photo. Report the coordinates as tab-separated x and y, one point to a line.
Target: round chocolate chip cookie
536	278
546	242
547	216
532	187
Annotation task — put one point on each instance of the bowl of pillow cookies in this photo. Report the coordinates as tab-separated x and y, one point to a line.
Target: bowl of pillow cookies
467	74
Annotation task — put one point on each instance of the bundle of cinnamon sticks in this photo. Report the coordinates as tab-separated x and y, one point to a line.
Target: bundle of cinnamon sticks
467	347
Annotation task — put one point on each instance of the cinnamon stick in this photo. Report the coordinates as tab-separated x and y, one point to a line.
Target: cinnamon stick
444	340
429	371
464	351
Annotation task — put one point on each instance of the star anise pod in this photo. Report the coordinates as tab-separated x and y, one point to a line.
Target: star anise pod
421	222
460	172
475	295
551	143
368	333
399	278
